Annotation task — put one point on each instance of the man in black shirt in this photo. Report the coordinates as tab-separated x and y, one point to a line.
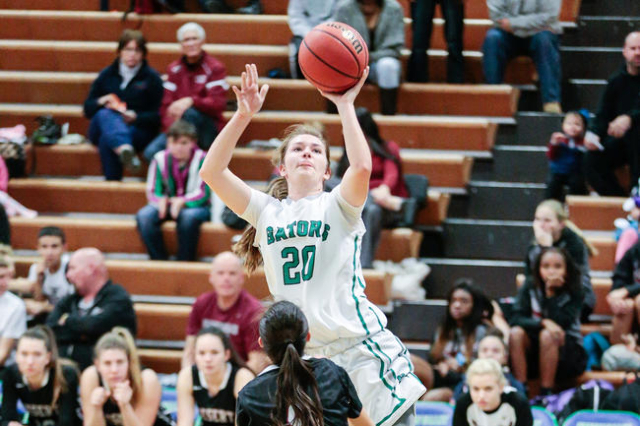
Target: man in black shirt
624	297
617	126
98	305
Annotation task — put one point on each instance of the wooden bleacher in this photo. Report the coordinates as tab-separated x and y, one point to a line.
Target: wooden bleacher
595	213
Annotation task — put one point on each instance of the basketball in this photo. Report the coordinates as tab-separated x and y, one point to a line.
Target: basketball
333	56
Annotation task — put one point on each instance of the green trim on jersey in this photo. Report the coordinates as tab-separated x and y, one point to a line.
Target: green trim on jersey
353	286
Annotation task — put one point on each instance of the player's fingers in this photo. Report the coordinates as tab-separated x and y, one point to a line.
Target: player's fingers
264	90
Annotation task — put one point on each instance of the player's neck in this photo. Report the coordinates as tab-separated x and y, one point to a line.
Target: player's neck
304	189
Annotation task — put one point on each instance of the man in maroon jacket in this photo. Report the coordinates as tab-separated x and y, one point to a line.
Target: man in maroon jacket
195	90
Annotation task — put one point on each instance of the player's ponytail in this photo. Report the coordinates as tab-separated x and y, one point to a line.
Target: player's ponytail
284	330
278	189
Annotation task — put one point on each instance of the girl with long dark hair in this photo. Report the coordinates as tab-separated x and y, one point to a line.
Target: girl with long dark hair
46	385
297	389
213	382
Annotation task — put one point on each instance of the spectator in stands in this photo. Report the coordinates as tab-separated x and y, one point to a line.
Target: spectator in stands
623	356
387	188
381	24
493	346
98	305
545	338
46	385
195	91
213	382
489	401
624	297
456	340
123	105
525	27
230	308
47	280
13	321
422	13
9	204
616	127
627	229
566	163
175	192
253	7
116	390
552	227
303	16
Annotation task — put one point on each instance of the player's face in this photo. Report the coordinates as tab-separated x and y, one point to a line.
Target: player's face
211	355
181	148
113	366
5	277
226	277
552	265
32	357
460	305
191	45
548	221
306	155
572	126
631	51
51	249
491	347
131	55
485	391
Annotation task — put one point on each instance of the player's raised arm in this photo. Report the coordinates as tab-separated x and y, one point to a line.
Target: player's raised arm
355	182
215	169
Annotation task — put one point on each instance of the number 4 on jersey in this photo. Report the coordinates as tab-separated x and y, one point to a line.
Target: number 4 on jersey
295	258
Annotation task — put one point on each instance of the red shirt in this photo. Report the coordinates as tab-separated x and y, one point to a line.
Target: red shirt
386	171
239	322
204	82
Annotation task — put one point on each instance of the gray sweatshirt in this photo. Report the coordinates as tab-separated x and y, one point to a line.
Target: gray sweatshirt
527	17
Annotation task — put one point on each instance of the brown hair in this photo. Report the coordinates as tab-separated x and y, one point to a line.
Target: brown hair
120	338
133	35
278	189
563	217
182	128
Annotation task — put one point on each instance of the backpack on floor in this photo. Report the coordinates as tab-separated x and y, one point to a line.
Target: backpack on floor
626	397
589	396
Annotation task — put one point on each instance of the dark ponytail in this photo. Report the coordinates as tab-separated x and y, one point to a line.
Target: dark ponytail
284	330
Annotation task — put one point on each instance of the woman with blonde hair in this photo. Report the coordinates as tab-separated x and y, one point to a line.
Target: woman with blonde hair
115	391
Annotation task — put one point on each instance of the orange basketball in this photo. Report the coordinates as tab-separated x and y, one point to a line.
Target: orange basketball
333	56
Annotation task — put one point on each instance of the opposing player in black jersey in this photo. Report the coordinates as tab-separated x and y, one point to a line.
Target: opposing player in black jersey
296	389
213	383
114	391
46	385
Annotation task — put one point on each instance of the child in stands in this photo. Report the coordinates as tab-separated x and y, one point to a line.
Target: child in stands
545	334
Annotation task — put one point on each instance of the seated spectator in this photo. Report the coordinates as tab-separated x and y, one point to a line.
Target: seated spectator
493	346
489	401
11	206
116	390
566	152
253	7
13	321
47	280
381	24
46	385
456	339
195	91
627	229
230	308
624	297
387	188
422	14
528	28
552	227
616	128
213	382
98	305
303	16
175	191
123	106
545	335
623	356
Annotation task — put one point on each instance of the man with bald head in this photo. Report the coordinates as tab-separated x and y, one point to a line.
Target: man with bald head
230	308
98	305
617	125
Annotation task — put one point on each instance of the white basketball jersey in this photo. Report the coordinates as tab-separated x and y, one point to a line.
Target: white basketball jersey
311	252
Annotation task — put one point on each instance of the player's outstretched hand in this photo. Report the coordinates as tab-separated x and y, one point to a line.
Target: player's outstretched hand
350	95
250	97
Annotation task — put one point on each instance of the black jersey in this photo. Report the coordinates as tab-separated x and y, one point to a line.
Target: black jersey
220	409
113	417
340	401
38	402
514	410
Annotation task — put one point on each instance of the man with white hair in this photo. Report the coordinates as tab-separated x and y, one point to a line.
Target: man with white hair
98	305
195	90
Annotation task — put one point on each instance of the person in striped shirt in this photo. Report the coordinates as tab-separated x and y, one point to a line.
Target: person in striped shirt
175	192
